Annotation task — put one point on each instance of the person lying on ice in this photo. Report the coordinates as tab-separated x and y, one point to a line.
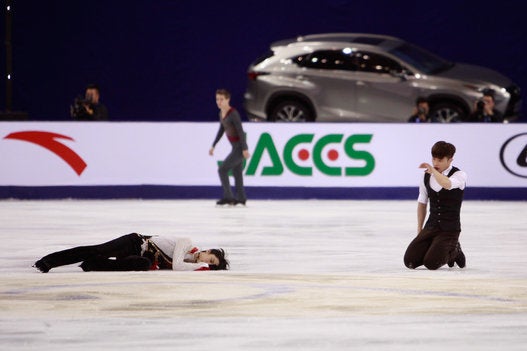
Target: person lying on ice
136	252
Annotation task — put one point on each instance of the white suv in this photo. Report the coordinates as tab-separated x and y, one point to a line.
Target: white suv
366	78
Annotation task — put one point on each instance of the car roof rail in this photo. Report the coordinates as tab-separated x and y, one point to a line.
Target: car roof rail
360	38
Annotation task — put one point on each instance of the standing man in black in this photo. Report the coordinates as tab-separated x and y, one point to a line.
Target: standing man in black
443	185
90	108
231	125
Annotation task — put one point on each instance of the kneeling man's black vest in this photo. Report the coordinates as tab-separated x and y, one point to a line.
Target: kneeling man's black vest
445	206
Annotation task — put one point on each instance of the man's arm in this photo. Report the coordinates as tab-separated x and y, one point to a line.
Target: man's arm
421	215
178	257
100	112
221	130
497	116
441	179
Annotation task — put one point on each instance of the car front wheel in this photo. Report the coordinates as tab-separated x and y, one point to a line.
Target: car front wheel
447	113
291	111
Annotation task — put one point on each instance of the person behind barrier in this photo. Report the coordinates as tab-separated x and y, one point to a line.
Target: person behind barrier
484	109
443	186
89	108
421	113
136	252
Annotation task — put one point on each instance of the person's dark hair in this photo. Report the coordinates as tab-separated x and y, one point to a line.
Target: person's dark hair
224	92
93	86
223	262
491	93
443	149
420	100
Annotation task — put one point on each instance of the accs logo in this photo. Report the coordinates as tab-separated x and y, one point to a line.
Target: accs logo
295	155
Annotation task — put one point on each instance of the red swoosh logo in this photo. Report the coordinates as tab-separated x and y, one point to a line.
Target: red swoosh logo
48	140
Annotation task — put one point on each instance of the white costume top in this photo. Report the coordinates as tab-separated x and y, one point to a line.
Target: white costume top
458	181
179	249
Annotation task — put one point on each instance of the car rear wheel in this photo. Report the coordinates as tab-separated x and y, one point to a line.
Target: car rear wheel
291	111
447	113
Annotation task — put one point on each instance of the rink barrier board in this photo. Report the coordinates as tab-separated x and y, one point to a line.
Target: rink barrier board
261	193
107	160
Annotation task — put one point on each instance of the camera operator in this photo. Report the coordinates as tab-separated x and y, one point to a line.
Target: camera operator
484	111
89	108
421	112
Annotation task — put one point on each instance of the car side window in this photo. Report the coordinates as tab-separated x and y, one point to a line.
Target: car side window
269	53
327	59
375	63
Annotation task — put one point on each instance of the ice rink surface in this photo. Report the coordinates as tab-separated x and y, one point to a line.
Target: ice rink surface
305	275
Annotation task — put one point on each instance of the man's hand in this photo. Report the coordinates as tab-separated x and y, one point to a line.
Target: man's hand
211	151
440	178
488	110
246	154
428	167
88	109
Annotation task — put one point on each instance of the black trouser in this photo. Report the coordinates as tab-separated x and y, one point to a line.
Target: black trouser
234	162
432	248
126	250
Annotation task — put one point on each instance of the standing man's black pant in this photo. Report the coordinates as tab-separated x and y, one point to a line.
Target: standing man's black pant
234	162
126	250
432	248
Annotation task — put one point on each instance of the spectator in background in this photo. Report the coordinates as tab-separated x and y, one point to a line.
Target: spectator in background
421	112
89	108
484	109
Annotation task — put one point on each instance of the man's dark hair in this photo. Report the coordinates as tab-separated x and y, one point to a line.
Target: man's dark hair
420	100
443	149
93	86
223	262
224	92
491	93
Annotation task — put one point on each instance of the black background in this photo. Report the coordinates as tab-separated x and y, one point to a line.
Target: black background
161	60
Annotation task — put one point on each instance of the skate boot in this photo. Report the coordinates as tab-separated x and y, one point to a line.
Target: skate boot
222	202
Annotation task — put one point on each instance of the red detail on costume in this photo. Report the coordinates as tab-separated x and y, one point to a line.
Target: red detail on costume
47	141
230	110
193	250
203	269
154	267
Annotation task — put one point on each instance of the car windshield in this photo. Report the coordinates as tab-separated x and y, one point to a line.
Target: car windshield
421	59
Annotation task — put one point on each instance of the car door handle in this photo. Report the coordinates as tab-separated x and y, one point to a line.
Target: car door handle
360	82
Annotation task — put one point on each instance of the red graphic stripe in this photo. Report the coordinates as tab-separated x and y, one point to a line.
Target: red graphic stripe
47	140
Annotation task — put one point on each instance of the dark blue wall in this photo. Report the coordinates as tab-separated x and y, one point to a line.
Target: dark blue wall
161	60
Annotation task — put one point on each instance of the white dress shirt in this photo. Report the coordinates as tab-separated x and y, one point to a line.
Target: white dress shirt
458	180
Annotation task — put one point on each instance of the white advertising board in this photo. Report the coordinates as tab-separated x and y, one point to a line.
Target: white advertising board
305	155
